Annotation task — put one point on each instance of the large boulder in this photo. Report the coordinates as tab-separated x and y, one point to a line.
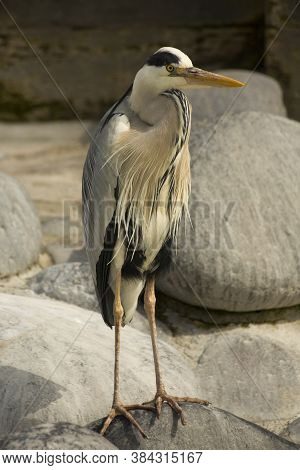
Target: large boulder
251	370
253	373
56	436
207	428
241	252
262	93
20	231
57	360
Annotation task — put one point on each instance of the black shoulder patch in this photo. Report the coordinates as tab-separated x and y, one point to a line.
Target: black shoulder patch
159	59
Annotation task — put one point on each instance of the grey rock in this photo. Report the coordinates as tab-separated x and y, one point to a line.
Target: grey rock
56	436
254	374
176	314
242	252
72	282
20	232
56	364
200	324
292	431
69	282
262	93
207	428
78	255
249	369
61	254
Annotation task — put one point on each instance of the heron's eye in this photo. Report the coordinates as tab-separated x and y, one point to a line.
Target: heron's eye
170	68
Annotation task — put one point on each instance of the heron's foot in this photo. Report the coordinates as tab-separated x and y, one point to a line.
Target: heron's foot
161	397
124	410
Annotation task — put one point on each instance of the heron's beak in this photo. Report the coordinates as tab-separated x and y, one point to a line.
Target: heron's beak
198	77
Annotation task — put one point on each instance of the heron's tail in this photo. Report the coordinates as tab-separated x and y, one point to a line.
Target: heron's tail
130	292
106	303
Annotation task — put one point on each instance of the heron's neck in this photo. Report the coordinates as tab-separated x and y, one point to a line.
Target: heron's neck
146	105
146	99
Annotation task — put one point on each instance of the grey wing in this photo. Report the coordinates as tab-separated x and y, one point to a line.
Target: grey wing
99	198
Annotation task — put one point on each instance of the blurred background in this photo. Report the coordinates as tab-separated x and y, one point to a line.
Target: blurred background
93	48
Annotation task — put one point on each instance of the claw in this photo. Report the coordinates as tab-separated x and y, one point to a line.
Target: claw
173	402
124	410
108	420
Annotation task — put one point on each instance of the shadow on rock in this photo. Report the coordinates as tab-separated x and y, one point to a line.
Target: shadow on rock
207	428
22	394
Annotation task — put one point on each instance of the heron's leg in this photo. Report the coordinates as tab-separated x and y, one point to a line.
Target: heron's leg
161	394
118	315
118	408
149	303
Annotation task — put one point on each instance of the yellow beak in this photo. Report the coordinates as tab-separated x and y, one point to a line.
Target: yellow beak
200	77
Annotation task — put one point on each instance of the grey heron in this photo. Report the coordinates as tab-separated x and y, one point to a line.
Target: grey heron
136	185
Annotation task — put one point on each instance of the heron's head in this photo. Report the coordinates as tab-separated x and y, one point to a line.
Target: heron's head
170	68
167	69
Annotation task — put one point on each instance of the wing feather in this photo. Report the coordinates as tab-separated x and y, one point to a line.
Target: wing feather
99	200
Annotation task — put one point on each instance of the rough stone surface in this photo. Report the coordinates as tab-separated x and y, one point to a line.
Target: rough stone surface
69	282
262	93
242	251
168	309
56	436
56	364
292	431
253	372
72	282
20	232
250	369
207	428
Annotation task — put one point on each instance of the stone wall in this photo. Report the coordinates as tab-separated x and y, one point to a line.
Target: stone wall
283	58
92	49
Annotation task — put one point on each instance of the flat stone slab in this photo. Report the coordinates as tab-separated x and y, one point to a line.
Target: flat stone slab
56	436
207	428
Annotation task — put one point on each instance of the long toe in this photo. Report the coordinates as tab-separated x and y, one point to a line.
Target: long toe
124	410
191	400
108	420
173	402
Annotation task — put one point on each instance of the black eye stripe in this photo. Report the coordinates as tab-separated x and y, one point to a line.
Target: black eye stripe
159	59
